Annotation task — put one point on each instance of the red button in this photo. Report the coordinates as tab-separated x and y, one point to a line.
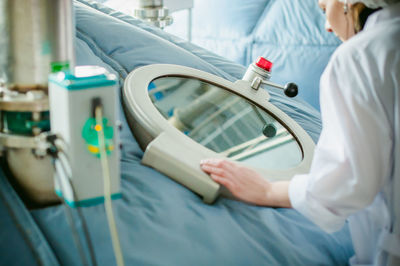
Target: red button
264	64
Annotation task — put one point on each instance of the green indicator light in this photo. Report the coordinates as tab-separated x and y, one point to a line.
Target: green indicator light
90	135
59	66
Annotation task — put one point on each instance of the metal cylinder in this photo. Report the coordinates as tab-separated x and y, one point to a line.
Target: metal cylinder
4	43
148	3
253	71
33	175
40	35
152	12
36	38
62	32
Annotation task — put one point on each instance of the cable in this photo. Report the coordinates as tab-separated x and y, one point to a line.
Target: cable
346	11
107	189
63	159
87	237
68	213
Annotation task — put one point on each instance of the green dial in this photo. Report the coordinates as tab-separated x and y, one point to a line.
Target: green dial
90	133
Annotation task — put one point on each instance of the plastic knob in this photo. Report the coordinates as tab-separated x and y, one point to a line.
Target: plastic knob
290	89
264	64
269	130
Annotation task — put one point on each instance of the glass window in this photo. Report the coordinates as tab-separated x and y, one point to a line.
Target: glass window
225	122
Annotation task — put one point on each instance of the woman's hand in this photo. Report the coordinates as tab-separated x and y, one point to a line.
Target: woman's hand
246	184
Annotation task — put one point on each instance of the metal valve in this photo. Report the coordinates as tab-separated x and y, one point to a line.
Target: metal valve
290	89
260	72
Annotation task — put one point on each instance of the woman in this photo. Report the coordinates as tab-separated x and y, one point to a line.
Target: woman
357	159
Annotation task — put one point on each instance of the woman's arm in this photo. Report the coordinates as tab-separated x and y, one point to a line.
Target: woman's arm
246	184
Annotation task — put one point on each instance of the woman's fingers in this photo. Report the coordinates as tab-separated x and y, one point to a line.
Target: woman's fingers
219	170
212	169
214	162
222	164
223	181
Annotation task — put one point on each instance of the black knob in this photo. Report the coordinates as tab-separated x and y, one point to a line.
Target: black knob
290	89
269	130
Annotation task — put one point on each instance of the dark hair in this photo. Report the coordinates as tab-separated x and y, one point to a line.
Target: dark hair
360	15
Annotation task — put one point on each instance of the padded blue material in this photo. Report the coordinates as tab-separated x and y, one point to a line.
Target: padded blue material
159	221
288	32
21	241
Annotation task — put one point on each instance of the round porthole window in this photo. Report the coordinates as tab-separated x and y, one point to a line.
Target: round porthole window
181	115
225	122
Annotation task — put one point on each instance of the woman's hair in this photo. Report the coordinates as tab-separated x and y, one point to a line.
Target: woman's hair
360	15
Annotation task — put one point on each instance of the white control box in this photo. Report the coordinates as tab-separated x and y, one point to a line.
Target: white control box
72	116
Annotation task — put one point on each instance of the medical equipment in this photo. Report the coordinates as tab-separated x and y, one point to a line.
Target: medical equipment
37	37
212	118
153	12
34	42
259	73
74	99
158	13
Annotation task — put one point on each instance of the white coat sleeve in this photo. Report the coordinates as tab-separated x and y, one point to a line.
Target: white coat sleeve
352	157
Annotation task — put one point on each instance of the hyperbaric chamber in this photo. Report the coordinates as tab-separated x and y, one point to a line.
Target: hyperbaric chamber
180	115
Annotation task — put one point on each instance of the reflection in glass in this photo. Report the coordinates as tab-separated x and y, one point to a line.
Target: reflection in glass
225	122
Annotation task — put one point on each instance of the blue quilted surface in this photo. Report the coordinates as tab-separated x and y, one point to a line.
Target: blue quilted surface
159	221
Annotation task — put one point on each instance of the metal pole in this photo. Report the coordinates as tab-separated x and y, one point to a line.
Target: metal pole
4	43
190	21
41	33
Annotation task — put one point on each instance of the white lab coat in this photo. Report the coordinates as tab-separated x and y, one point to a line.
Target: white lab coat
357	157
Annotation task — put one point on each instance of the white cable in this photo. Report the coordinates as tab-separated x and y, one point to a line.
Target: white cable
62	162
61	176
65	162
107	190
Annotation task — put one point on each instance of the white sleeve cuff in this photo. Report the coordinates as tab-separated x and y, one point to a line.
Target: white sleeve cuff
304	202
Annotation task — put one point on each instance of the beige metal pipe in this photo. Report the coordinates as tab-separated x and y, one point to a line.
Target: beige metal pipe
36	38
36	34
4	43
